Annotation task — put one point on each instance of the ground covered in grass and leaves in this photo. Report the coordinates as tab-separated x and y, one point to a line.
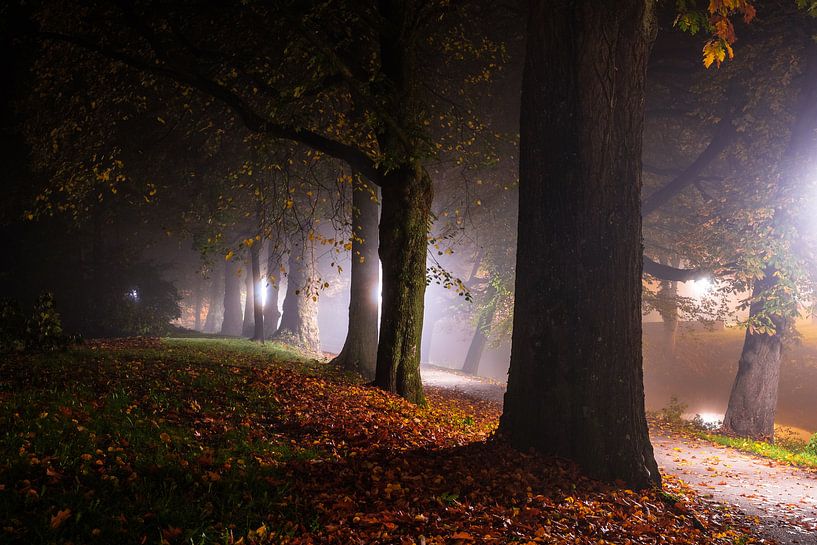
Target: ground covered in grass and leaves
204	441
788	447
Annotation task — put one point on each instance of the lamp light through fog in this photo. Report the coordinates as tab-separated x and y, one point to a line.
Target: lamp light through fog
701	287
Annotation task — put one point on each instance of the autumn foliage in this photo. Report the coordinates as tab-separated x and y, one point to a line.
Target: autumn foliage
227	442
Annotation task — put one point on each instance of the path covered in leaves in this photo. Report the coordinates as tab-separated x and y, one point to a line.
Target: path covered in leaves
782	499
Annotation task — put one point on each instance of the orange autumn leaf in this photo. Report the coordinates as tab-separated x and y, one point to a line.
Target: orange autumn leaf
59	518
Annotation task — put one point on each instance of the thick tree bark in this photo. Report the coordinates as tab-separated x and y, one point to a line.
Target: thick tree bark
215	302
480	338
359	353
257	303
575	386
248	324
753	400
271	313
299	320
407	196
232	300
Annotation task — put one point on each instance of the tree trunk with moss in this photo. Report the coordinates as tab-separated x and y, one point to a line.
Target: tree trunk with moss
575	384
231	325
407	196
299	320
359	353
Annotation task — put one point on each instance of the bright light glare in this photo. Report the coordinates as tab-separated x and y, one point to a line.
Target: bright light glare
133	295
701	286
711	419
262	289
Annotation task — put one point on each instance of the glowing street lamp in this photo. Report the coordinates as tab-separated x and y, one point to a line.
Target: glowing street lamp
701	286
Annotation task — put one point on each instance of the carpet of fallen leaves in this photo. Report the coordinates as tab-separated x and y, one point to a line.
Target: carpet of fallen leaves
146	441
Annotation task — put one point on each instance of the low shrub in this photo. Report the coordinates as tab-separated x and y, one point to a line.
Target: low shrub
42	332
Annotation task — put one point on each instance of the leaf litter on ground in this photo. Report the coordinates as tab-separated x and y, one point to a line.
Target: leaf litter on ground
200	441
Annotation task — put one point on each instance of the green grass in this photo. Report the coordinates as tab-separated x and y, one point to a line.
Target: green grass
776	452
788	447
175	435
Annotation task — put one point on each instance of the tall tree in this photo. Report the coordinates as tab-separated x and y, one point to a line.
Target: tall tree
753	398
575	386
275	87
299	317
359	351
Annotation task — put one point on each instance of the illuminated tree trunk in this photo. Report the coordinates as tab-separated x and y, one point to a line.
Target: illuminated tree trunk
231	325
271	313
359	353
299	320
480	338
248	325
575	385
753	400
257	304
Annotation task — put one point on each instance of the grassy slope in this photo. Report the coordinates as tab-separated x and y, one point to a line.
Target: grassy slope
224	441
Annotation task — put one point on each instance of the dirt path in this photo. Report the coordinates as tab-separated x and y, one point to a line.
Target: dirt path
782	498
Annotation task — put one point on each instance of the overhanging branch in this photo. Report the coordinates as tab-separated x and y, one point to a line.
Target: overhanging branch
666	272
251	119
725	133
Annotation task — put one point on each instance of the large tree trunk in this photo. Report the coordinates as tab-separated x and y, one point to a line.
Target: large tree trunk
257	303
753	401
215	303
407	196
575	386
271	313
232	300
359	353
480	338
299	320
248	324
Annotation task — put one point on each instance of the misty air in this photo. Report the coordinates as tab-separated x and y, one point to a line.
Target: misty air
415	272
